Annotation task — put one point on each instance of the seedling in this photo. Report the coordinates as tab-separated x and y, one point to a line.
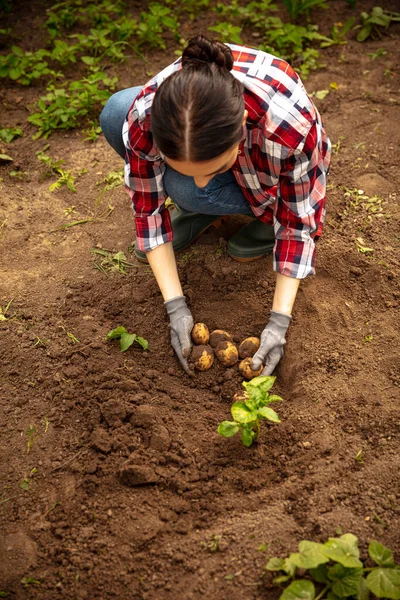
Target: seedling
338	33
248	413
297	7
359	457
126	339
8	134
380	52
228	32
371	23
334	570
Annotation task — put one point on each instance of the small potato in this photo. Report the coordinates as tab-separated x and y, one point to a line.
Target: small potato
249	347
202	357
200	334
227	353
246	370
219	335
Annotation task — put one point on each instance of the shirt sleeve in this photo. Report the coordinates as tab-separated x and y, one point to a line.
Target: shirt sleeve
144	170
300	207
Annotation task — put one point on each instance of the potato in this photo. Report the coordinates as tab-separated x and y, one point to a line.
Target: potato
249	347
227	353
219	335
246	370
200	334
202	357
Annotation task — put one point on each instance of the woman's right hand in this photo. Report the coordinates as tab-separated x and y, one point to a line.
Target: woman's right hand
181	325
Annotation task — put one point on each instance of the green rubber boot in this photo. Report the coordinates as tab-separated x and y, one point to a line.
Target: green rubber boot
187	227
251	242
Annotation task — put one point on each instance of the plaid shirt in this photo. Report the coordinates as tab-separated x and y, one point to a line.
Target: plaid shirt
281	166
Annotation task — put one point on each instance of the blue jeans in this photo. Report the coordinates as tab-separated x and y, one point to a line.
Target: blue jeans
221	196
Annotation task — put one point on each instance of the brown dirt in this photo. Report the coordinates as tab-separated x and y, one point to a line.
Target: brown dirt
133	485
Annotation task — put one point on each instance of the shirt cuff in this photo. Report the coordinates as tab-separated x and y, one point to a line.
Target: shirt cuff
294	258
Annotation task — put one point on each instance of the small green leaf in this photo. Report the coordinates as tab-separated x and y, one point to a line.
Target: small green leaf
242	414
268	413
144	343
299	590
3	594
5	158
273	398
247	437
262	382
385	583
343	550
310	555
114	334
24	485
275	564
380	554
227	429
126	340
346	581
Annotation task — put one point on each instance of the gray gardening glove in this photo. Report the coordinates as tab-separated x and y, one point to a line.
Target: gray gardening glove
270	351
181	325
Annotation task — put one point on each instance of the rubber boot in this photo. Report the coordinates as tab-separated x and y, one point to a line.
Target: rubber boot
187	227
251	242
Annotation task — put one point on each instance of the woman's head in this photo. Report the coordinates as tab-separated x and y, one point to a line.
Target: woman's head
197	113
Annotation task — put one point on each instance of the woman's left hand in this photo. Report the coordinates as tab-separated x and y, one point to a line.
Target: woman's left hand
273	340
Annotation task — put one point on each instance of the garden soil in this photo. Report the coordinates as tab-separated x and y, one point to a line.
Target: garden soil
130	492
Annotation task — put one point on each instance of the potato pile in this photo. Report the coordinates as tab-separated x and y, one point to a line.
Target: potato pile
219	344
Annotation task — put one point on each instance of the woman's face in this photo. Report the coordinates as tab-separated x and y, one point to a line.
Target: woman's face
202	172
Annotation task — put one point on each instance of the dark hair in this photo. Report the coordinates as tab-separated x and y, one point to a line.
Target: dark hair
197	112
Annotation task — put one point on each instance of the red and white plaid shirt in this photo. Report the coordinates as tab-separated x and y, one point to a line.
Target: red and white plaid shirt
281	166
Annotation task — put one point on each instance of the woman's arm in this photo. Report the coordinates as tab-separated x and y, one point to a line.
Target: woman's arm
163	264
285	293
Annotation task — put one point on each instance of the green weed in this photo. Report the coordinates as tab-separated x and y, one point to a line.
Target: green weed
334	570
247	414
371	23
67	107
228	32
153	23
8	134
295	8
110	261
338	33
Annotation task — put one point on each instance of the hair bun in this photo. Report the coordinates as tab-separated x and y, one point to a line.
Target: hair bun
202	50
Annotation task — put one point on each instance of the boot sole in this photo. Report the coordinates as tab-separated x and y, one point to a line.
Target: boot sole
217	224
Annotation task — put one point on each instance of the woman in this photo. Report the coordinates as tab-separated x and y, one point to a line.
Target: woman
224	130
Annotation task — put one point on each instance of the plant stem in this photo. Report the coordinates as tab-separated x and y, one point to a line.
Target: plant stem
321	594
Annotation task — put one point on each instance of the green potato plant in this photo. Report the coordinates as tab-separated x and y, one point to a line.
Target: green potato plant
248	413
334	571
126	339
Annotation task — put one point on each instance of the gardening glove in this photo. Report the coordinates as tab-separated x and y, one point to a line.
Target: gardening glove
181	325
270	351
